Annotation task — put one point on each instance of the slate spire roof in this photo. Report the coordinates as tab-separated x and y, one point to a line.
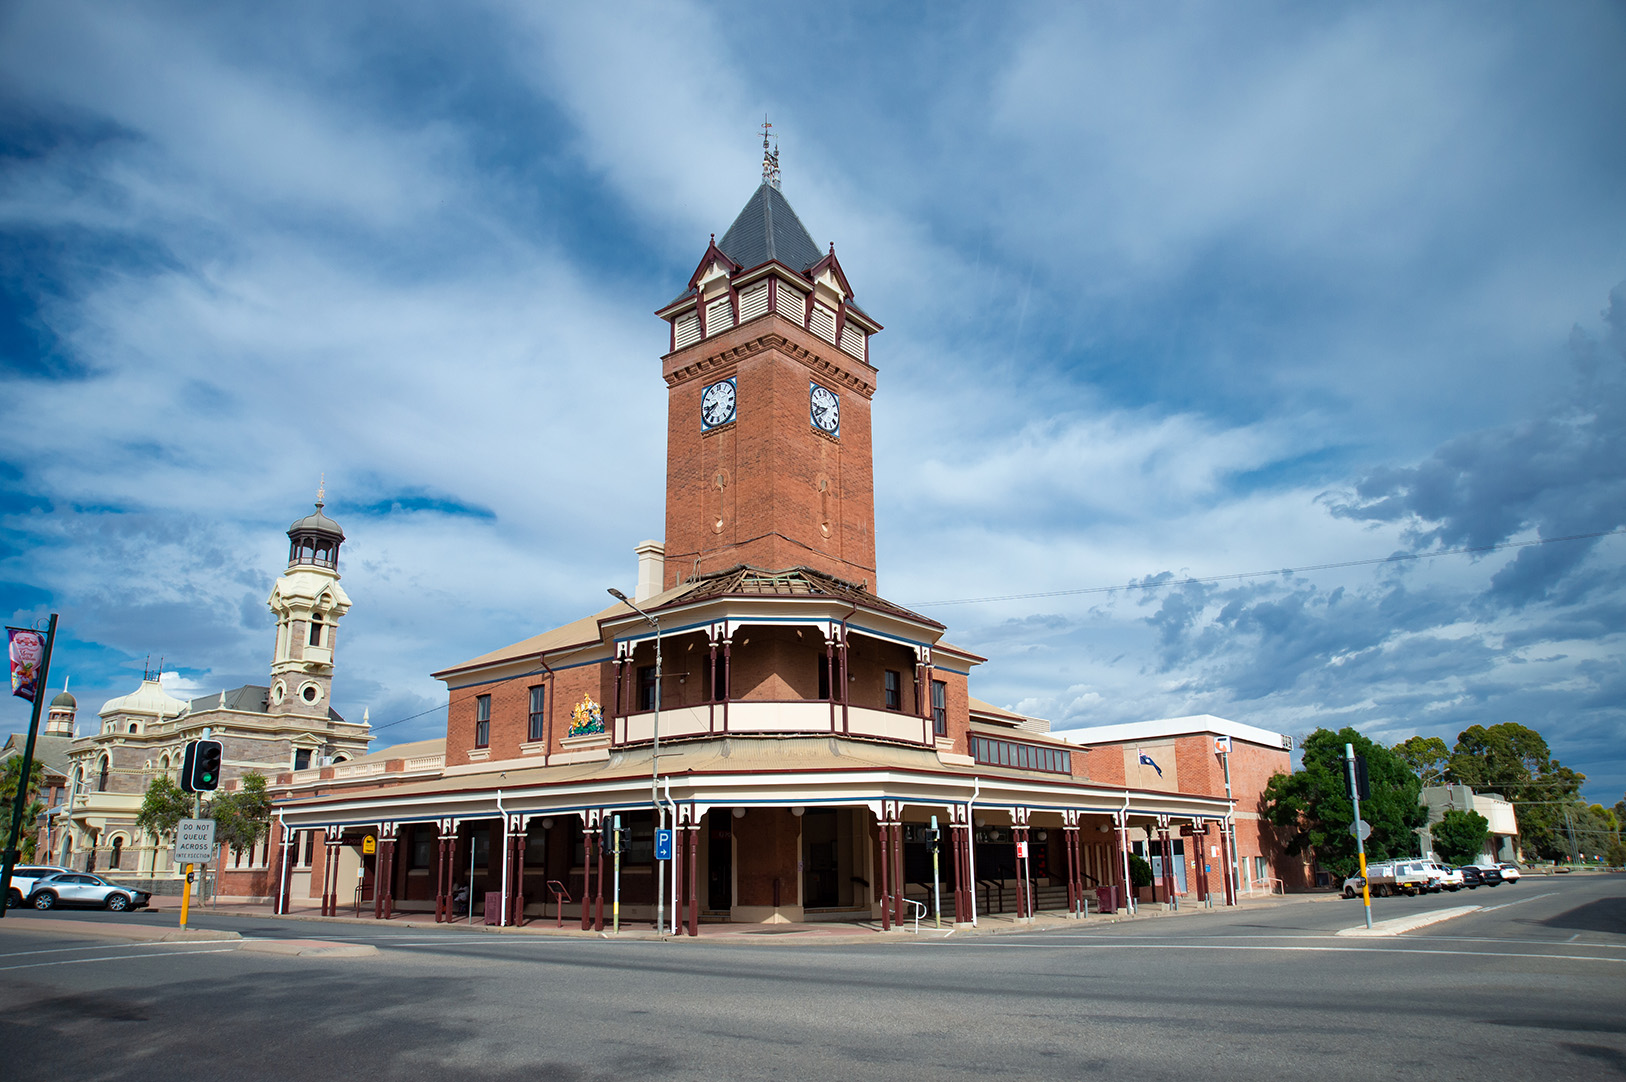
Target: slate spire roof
768	229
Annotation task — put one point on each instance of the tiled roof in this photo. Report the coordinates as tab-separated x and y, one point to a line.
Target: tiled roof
746	581
768	229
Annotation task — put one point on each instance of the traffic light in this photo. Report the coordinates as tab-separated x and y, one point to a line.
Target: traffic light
200	773
1355	779
930	836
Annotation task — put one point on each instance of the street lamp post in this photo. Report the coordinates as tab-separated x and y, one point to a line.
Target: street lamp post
654	762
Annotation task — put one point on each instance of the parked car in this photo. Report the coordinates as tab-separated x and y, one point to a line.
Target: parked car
84	889
1510	872
1353	885
1444	877
23	878
1391	877
1491	874
1471	876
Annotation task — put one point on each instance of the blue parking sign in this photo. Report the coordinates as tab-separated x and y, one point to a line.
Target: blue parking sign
663	845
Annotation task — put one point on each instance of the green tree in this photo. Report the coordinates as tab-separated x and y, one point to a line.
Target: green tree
33	807
1514	761
1426	755
1460	836
243	815
1313	808
164	806
1140	872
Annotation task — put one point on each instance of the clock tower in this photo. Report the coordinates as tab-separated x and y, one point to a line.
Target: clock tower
769	381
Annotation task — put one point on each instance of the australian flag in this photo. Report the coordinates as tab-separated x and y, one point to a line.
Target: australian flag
1146	760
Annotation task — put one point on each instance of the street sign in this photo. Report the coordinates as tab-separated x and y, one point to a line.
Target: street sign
1360	829
1022	850
195	841
663	845
369	845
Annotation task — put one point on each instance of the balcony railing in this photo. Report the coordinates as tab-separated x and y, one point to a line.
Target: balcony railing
812	718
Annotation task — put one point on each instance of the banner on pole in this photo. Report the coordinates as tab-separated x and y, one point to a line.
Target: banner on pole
27	651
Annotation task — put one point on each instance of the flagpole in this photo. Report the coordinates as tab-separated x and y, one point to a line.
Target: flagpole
10	857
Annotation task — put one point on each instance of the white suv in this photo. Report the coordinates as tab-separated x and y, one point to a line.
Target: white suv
1442	877
23	878
1510	872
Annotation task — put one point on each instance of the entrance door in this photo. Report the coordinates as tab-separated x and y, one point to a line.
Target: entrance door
719	862
821	883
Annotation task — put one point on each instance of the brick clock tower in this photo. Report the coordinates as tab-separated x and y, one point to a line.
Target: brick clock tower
769	459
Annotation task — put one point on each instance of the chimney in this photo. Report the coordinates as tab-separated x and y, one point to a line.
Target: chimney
651	569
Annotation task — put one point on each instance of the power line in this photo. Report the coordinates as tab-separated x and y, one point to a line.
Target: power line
1147	584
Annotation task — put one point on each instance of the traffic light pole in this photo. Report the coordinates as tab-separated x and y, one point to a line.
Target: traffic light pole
1360	842
8	860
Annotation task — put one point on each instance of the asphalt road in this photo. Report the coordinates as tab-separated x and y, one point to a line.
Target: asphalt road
1531	986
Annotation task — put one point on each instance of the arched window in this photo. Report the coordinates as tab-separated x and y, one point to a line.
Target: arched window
316	629
101	783
118	852
133	728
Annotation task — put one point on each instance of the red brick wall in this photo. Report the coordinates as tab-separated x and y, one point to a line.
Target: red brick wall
511	709
790	496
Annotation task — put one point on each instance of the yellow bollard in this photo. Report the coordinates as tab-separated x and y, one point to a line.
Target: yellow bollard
186	895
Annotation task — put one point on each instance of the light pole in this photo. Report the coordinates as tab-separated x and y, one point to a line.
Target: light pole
654	763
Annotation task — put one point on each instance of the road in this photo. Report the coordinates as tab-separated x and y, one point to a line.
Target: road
1531	986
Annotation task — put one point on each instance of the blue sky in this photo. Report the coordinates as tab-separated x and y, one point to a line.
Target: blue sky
1177	291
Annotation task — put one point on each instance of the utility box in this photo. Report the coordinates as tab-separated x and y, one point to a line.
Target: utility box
493	912
1107	899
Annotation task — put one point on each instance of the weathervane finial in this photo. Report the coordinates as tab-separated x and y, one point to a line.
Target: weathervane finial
770	155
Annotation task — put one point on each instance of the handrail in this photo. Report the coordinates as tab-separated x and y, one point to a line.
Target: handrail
920	911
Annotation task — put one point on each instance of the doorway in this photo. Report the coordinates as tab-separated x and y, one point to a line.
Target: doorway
719	861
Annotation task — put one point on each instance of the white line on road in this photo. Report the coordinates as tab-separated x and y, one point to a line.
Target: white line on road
1375	949
70	950
1521	901
113	958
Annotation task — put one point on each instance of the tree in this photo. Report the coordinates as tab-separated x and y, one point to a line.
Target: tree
164	806
33	808
1313	808
1140	872
242	816
1514	761
1426	755
1460	836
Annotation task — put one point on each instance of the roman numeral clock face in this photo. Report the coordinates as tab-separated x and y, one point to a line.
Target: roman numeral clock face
717	404
825	409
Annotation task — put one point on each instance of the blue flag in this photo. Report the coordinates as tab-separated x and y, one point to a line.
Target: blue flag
1146	760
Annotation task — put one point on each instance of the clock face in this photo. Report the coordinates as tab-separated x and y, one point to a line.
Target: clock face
717	404
825	409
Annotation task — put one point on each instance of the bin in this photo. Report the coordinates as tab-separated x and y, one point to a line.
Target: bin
1107	899
493	911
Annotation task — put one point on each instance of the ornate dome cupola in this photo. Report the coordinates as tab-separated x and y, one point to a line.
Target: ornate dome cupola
308	602
315	539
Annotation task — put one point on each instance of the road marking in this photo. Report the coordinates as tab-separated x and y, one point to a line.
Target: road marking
1521	901
70	950
113	958
1335	950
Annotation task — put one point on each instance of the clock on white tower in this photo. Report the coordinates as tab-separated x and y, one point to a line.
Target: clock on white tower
717	403
824	409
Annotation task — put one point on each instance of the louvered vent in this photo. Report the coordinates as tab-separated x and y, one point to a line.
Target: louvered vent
823	323
852	341
791	304
754	302
688	329
719	316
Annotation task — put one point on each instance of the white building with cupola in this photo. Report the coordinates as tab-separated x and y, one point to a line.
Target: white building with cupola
285	724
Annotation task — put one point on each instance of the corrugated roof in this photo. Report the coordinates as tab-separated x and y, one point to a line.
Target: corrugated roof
769	229
744	580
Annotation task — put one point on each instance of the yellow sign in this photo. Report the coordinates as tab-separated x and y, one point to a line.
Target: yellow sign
369	844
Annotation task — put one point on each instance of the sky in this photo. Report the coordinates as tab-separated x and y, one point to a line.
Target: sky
1171	293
